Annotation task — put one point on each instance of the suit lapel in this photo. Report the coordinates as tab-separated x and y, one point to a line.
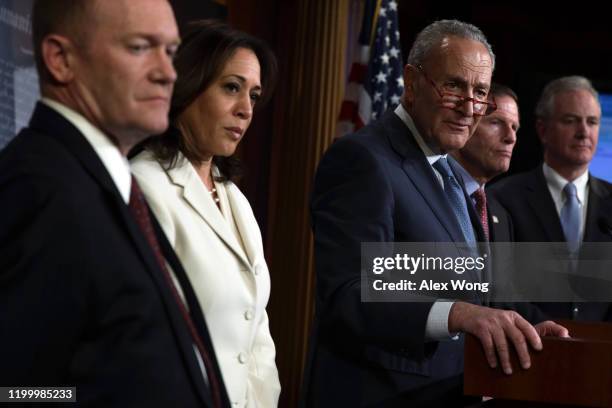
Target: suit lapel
421	174
43	119
499	228
544	210
176	319
243	224
196	315
195	194
474	217
599	212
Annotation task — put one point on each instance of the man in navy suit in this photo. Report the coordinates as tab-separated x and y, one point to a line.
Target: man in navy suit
382	184
91	294
486	155
568	118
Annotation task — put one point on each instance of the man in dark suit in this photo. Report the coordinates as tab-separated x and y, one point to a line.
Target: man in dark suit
382	184
91	294
559	200
486	155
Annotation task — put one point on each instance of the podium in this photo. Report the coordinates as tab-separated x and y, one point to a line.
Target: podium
574	372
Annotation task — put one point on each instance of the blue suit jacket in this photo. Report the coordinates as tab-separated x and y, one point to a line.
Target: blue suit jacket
377	186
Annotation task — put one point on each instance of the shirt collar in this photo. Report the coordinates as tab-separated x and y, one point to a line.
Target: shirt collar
431	156
470	184
557	182
115	163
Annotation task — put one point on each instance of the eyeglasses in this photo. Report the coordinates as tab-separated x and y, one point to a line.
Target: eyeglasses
453	101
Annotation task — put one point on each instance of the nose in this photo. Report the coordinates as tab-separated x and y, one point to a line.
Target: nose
582	129
466	107
164	72
244	106
509	135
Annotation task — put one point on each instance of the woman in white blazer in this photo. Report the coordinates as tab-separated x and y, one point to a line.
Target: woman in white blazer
187	177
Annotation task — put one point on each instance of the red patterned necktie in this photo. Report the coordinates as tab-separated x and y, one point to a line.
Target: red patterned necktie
481	208
140	211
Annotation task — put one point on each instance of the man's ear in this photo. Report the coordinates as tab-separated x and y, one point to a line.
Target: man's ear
410	73
57	54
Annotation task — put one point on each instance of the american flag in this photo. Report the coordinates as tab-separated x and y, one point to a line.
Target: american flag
375	82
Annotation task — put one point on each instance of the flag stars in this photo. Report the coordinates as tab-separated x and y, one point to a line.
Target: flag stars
384	83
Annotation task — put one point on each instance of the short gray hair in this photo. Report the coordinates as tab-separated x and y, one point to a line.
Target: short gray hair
546	103
433	34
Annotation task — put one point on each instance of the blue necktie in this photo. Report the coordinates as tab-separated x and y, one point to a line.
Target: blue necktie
456	198
570	217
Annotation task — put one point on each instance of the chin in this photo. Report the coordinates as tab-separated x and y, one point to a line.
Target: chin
156	128
499	170
228	150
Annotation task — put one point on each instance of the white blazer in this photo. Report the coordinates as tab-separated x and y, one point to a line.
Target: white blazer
230	278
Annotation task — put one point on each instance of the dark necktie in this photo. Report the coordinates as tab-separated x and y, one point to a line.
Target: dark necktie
481	208
139	209
456	198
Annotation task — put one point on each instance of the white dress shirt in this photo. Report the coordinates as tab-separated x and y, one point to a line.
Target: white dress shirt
115	163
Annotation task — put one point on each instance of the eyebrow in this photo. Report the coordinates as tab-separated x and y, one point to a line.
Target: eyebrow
463	81
575	116
153	38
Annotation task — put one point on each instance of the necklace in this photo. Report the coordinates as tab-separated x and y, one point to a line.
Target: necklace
213	193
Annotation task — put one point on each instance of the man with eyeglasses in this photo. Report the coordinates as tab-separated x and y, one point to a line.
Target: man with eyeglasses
391	181
560	201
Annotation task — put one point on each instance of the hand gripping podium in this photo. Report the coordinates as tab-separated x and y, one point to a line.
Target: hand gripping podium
575	371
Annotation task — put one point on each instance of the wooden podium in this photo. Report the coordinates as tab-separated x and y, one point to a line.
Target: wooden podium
575	371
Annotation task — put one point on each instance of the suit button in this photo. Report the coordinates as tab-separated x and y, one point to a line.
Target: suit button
242	358
248	315
257	270
575	312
